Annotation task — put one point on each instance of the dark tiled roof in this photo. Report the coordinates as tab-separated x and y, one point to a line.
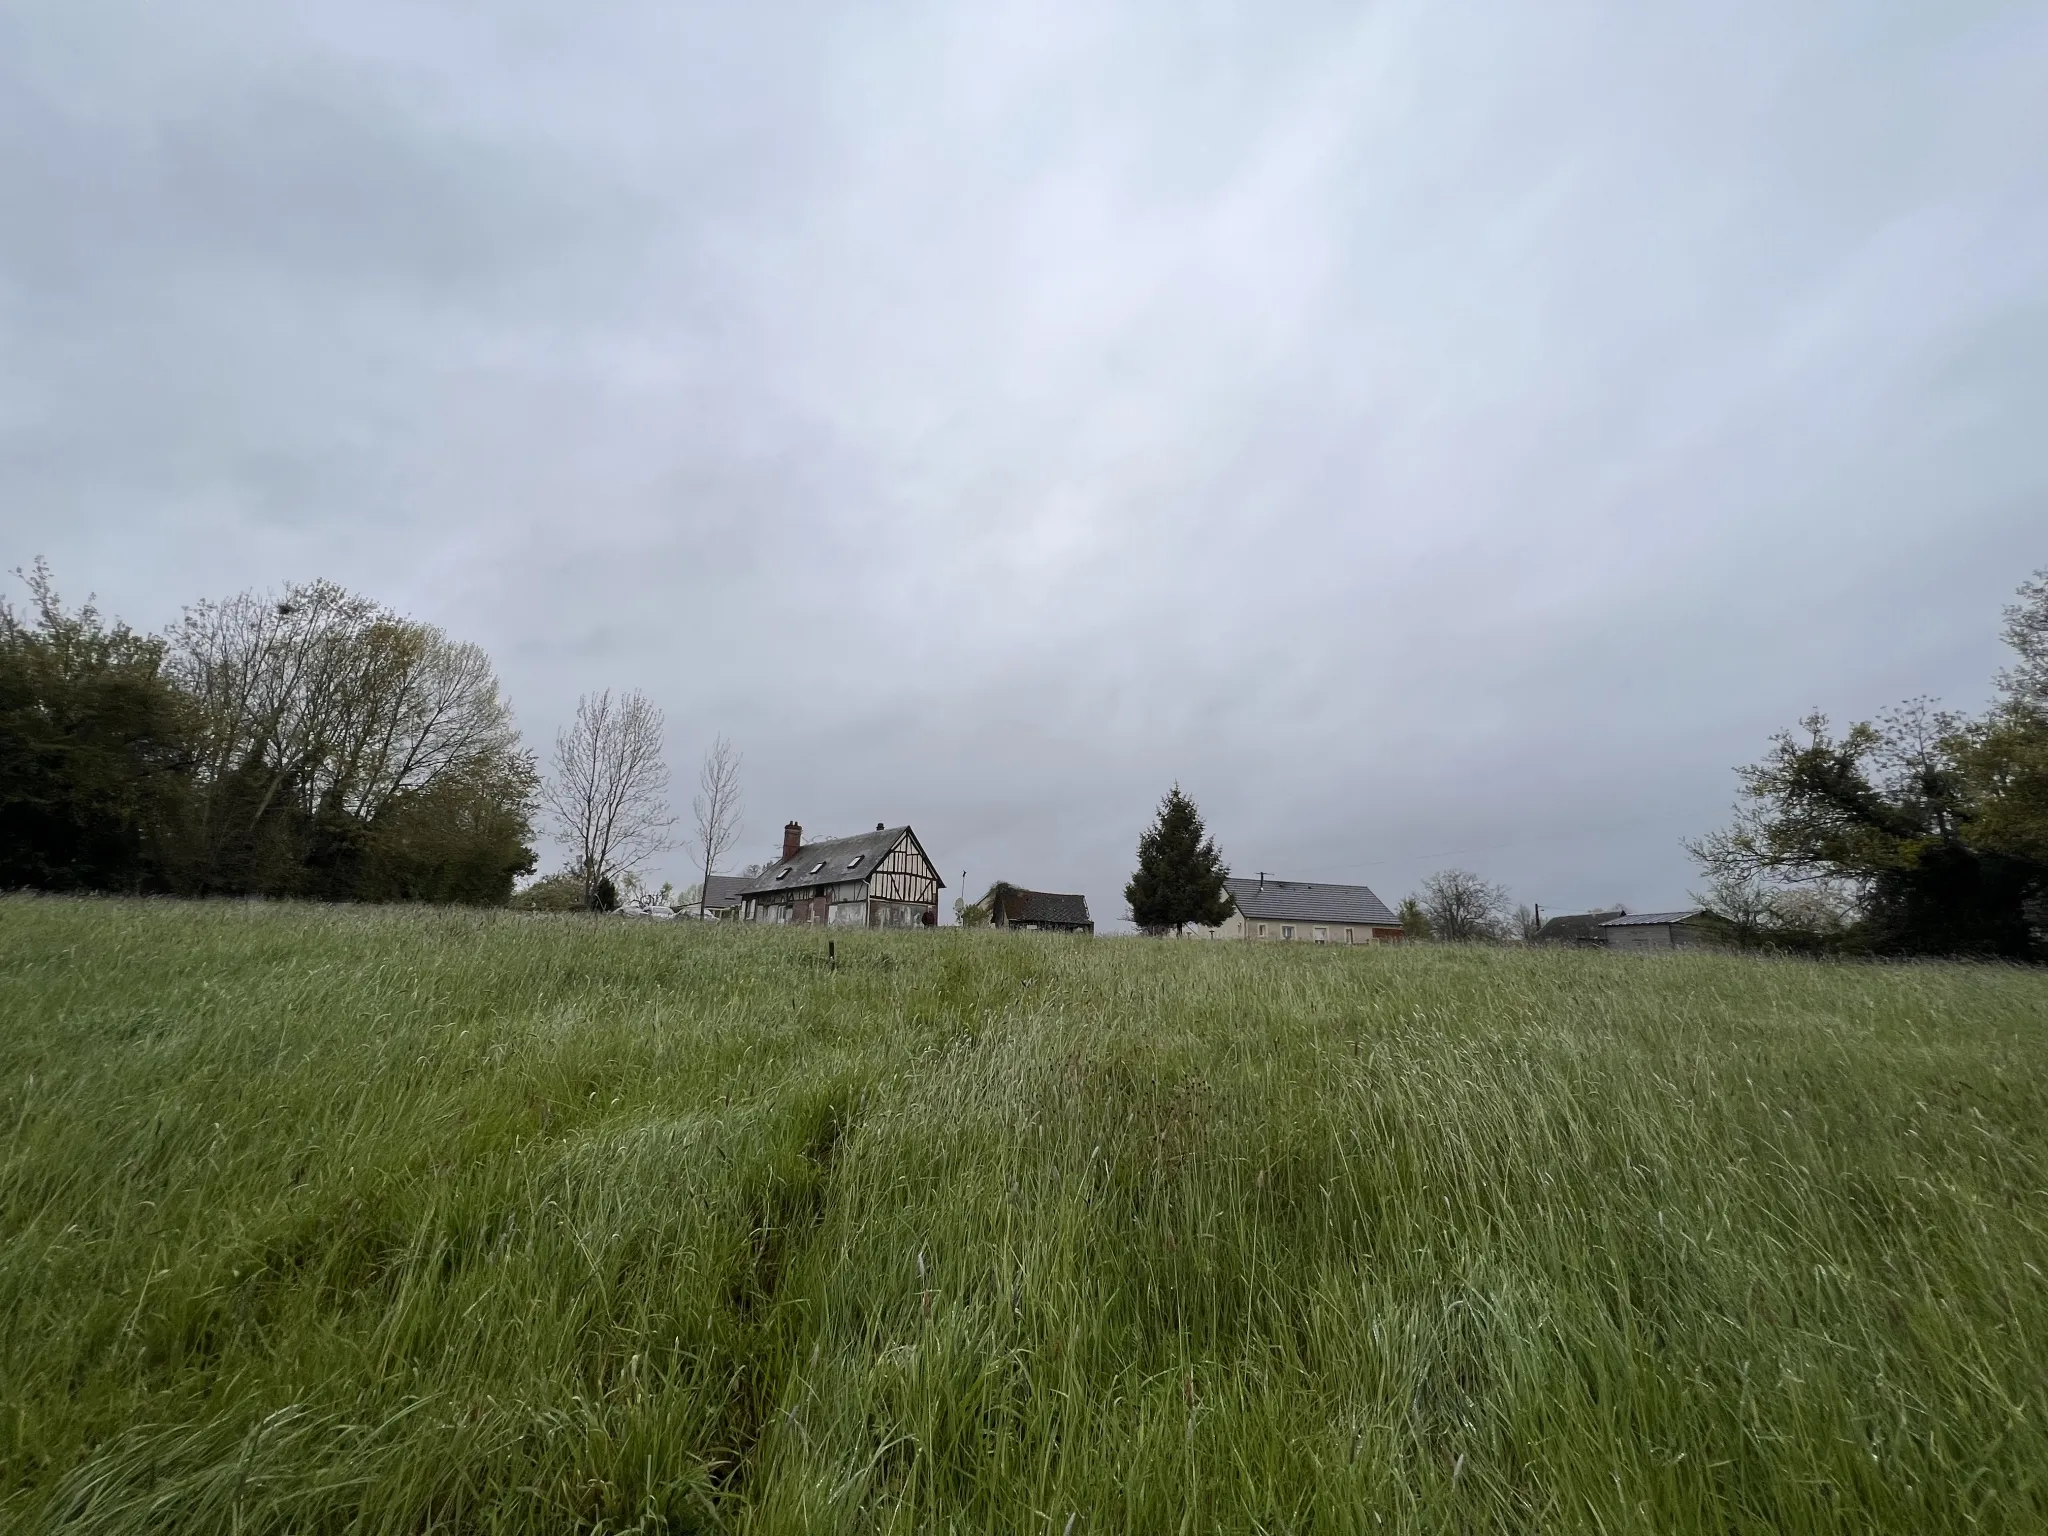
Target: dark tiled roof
724	890
1304	902
837	854
1044	907
1576	927
1655	919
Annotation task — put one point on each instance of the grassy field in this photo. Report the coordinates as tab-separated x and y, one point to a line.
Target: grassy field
396	1220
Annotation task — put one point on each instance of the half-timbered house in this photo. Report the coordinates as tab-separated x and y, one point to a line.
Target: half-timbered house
880	879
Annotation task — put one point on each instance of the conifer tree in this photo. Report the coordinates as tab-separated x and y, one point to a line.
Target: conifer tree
1180	874
1414	921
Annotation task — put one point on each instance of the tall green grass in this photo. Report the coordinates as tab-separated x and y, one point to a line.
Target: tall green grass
394	1220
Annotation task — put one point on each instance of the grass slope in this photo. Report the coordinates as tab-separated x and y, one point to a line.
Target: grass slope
398	1220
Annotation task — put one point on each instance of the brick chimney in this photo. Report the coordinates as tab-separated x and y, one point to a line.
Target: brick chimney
792	839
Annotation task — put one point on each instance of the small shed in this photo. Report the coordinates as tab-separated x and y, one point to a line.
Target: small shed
1039	911
1690	928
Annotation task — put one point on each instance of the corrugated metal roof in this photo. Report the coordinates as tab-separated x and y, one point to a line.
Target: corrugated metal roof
1653	919
838	855
1044	907
1302	901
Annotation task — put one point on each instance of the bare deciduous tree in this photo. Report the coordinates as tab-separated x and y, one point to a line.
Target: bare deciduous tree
1765	915
609	794
1747	902
717	808
1463	908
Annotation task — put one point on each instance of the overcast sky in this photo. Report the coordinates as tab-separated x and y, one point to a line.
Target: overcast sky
1431	433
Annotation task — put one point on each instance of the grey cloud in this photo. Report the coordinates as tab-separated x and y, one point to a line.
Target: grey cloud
1430	433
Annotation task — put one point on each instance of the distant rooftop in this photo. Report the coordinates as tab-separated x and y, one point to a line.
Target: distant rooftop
829	862
1653	919
1577	927
724	890
1303	901
1053	907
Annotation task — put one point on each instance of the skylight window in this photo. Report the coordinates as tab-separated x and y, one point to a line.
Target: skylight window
854	862
782	874
817	866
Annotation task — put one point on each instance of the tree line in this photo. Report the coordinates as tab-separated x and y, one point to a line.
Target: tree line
312	744
1922	832
309	744
315	744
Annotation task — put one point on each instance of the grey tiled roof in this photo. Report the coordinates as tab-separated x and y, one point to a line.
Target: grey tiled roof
1653	919
1044	907
837	854
724	890
1305	902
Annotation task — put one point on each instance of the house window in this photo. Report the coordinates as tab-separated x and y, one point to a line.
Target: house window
1350	935
1322	935
1262	930
1287	930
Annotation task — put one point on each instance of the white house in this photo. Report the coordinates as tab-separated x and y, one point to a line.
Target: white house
1302	911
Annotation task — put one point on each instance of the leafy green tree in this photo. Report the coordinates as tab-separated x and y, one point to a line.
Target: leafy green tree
2007	760
2025	682
559	892
977	914
1892	808
1180	876
464	839
94	755
312	744
1936	823
344	753
2006	755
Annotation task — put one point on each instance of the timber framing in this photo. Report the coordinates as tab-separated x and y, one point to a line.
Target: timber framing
879	879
